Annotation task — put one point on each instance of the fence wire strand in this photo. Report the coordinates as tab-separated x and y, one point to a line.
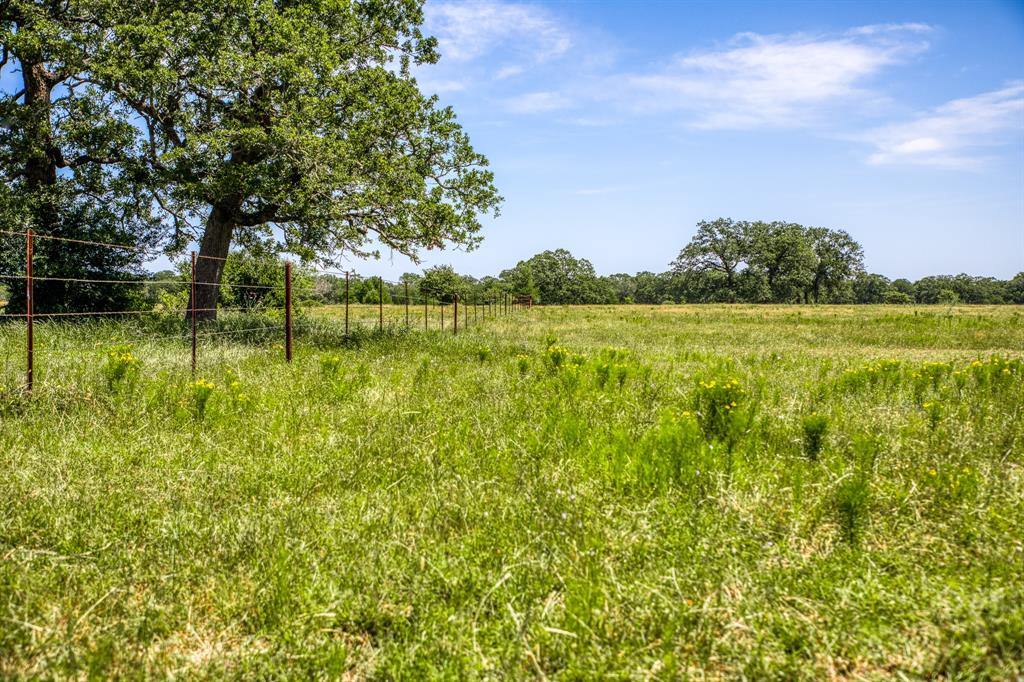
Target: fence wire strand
70	240
408	307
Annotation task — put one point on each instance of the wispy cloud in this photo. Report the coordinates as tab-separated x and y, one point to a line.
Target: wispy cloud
761	81
537	102
509	71
954	135
876	29
595	191
467	31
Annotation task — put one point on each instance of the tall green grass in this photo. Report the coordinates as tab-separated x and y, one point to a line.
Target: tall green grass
624	492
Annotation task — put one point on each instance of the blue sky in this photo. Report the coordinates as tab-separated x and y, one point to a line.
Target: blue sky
613	128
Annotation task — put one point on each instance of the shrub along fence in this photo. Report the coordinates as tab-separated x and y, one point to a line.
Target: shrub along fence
191	324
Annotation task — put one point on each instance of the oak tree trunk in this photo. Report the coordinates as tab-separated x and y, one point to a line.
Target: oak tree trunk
40	163
38	169
213	253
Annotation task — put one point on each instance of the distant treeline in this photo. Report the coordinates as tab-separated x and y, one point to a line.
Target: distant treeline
726	261
731	261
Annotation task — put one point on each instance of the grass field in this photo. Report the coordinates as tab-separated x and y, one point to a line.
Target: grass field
566	493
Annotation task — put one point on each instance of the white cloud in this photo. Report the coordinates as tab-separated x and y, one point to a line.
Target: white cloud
955	134
537	102
508	71
876	29
773	81
469	30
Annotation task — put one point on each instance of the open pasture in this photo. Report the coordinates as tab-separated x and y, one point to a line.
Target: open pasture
622	492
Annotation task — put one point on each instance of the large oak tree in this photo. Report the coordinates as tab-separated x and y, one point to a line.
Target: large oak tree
558	277
719	246
296	125
789	260
784	253
838	259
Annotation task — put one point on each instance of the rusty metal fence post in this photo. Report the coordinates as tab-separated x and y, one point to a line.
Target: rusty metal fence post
29	305
380	302
192	301
288	311
346	303
406	304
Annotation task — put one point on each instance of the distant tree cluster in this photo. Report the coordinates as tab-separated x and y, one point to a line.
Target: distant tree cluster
947	289
749	262
726	261
761	262
670	287
780	262
439	284
557	277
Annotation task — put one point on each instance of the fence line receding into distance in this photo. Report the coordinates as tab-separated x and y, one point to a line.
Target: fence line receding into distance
483	307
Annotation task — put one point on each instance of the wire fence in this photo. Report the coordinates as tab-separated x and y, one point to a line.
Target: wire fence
203	320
